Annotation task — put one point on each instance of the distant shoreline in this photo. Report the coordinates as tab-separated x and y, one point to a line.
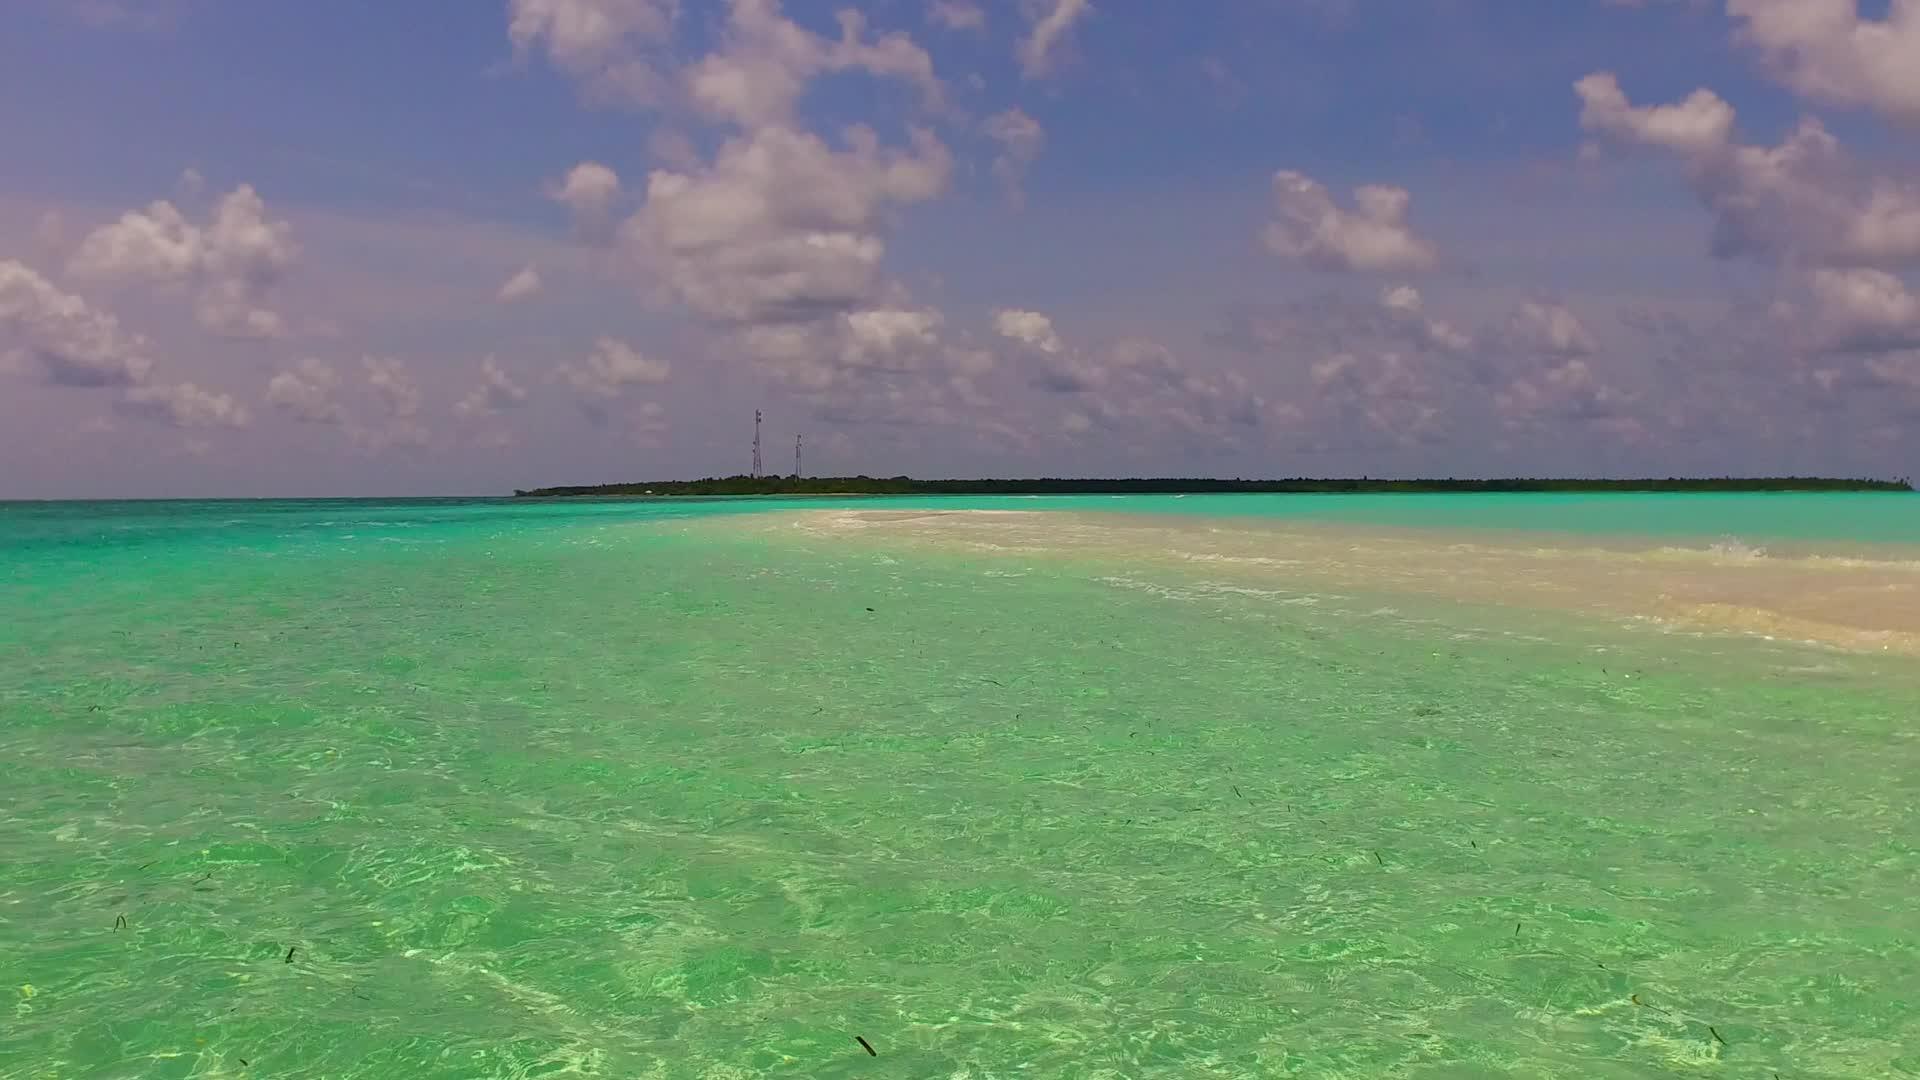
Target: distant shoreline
901	485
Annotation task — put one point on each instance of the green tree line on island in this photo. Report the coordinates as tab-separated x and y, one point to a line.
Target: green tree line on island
902	485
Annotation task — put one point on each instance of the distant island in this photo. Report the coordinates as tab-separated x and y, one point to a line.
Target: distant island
902	485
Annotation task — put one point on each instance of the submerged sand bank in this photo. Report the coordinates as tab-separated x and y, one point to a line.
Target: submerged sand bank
1858	601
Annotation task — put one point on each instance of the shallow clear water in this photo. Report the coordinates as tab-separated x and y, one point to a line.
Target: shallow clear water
635	790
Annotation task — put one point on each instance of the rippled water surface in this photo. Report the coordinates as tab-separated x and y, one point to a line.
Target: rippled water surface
1203	788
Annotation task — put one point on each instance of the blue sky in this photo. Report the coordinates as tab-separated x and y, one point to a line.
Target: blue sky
260	249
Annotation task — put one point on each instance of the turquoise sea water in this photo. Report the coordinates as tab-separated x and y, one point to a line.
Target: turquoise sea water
479	788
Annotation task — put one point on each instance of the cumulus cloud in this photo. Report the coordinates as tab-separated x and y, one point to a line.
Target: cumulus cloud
781	228
1829	51
1029	328
1131	384
398	396
1054	18
614	48
520	286
234	260
496	391
71	342
185	405
1700	123
611	367
756	78
306	392
1404	304
590	191
957	14
1374	236
891	339
1549	329
1862	310
1386	393
1020	137
1805	199
1568	391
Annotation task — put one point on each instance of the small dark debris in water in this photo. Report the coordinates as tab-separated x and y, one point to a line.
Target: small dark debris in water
1516	933
861	1039
1475	843
119	922
1635	998
290	952
1236	792
205	877
869	609
1378	859
1131	734
1716	1035
143	866
242	1061
995	682
93	708
1129	821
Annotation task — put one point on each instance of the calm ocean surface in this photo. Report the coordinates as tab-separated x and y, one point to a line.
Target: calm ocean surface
1214	786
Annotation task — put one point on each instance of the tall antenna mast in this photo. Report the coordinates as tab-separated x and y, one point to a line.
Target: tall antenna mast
756	443
796	457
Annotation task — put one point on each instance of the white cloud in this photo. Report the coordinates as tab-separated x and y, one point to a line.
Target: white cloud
957	14
1549	329
393	385
235	260
306	392
1374	236
613	47
1829	51
611	367
767	61
1898	369
781	227
590	191
1405	304
1804	199
72	343
185	405
399	398
1020	137
894	339
1568	391
1049	29
1701	123
1027	327
496	391
520	286
1863	310
1386	394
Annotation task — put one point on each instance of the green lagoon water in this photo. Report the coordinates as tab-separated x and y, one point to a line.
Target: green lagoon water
508	789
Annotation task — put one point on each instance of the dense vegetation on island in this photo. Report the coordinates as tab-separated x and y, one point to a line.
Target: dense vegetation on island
901	485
